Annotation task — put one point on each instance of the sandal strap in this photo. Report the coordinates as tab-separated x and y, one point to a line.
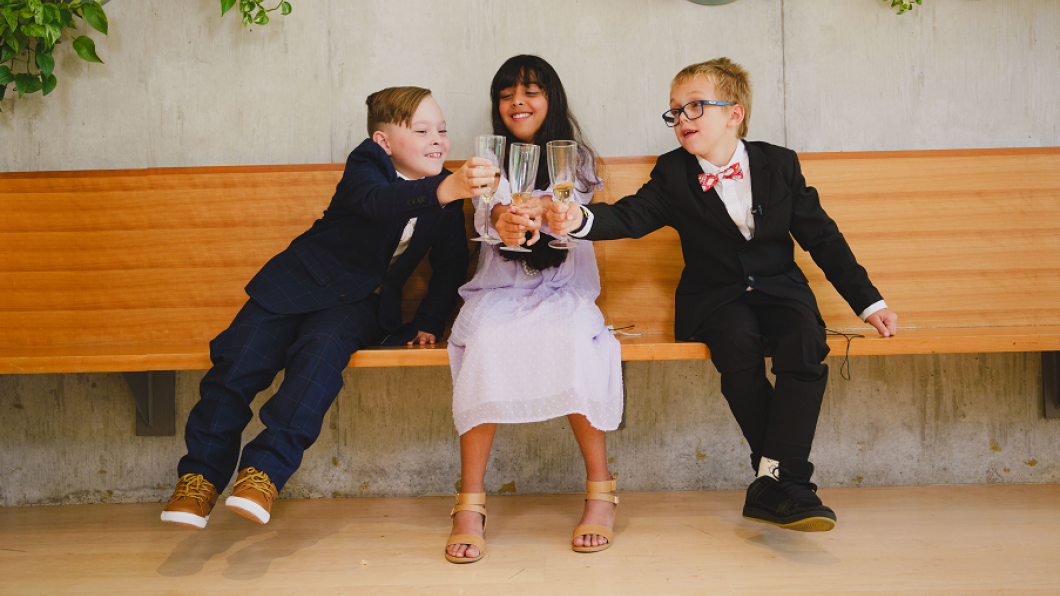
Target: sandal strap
602	497
603	486
475	508
593	529
470	498
467	539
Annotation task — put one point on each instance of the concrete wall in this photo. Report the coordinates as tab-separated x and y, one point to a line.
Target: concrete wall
183	88
901	420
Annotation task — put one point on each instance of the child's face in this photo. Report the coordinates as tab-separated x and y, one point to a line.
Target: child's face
418	150
712	132
523	109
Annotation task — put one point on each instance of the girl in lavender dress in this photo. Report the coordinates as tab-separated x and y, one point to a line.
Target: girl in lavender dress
528	312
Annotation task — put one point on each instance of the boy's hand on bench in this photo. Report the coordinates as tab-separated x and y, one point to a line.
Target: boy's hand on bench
885	321
422	338
472	179
564	219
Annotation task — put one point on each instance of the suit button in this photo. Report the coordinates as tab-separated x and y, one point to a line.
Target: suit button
343	297
751	280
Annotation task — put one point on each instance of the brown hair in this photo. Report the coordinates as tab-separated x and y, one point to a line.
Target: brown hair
731	82
393	105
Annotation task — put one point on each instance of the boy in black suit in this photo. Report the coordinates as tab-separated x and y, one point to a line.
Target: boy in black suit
334	290
736	206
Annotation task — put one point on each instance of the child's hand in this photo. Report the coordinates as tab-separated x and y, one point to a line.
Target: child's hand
472	179
885	321
513	224
564	219
422	338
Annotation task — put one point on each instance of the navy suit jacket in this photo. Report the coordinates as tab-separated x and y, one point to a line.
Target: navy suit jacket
719	263
346	254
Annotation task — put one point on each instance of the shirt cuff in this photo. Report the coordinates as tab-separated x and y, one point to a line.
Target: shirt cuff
872	309
587	223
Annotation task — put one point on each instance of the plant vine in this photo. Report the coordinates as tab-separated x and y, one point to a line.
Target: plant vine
904	6
254	11
29	32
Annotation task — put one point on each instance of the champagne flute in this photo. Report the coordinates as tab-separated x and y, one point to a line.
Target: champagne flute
562	169
490	147
522	173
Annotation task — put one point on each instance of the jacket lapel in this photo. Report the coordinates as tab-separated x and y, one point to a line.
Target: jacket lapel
759	167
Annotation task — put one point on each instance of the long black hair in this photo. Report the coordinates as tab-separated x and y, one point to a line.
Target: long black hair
559	124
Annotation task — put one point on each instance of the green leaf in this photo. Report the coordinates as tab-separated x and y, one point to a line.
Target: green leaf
227	5
6	53
262	18
34	30
49	83
246	19
285	8
3	91
66	18
52	34
94	15
5	75
86	48
26	83
45	63
14	44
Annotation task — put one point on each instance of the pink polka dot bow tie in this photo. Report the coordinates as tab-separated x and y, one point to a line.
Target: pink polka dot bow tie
733	172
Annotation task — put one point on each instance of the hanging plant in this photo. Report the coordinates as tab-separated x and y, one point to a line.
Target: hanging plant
253	10
29	32
904	6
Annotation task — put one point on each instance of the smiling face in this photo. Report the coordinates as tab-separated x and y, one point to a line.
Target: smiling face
523	109
712	136
420	149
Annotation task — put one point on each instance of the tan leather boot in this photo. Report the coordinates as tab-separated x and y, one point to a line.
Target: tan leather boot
191	502
252	495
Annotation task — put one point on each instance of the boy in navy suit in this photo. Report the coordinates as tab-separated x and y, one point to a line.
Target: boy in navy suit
736	206
334	290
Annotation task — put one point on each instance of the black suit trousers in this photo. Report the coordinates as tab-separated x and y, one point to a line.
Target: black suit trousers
312	348
778	421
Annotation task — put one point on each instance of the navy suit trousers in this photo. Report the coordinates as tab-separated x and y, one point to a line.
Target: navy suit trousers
312	348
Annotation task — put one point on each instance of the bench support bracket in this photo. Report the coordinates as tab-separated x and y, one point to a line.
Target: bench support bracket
155	392
1051	383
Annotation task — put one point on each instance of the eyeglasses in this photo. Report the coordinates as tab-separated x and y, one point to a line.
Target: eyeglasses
691	110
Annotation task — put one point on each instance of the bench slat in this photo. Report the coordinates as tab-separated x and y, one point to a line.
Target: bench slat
139	269
648	347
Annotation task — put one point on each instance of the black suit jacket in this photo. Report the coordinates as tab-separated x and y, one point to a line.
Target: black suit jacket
719	263
346	254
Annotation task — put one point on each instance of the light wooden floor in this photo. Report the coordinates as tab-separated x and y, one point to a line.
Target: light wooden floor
937	540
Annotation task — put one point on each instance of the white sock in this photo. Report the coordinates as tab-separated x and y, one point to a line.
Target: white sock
768	467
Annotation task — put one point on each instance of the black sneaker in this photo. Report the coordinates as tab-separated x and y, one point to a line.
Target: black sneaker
789	503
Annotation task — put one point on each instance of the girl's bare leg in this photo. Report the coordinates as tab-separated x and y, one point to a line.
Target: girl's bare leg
475	447
593	444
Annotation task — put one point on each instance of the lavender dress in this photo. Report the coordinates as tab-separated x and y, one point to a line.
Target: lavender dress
530	347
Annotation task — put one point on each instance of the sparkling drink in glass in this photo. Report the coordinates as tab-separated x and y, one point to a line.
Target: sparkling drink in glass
563	170
522	173
490	147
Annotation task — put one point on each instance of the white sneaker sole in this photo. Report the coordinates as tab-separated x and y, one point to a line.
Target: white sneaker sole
182	518
248	509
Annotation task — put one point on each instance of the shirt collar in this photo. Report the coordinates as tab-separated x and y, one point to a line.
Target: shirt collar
738	156
401	176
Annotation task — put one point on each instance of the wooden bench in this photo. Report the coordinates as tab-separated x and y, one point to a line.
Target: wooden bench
136	270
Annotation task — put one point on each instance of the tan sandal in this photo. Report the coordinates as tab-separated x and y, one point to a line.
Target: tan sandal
468	502
598	491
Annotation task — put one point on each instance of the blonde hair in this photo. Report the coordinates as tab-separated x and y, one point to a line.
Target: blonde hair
731	83
393	105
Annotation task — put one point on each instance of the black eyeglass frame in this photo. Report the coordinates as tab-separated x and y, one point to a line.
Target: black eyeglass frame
675	114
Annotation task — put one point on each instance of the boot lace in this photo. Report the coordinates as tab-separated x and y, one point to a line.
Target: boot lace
193	486
257	480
